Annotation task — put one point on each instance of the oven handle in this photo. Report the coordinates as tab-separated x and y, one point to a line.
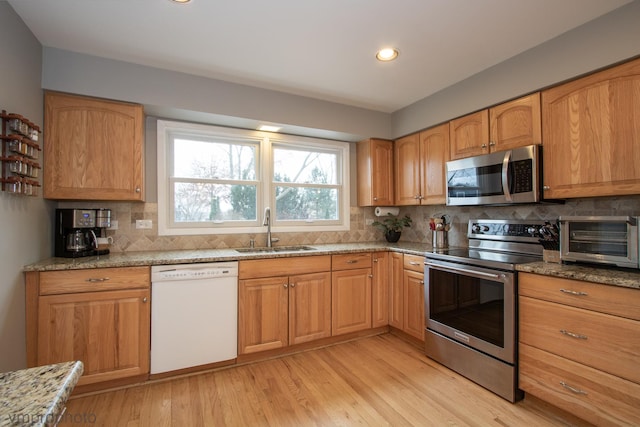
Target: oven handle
505	176
462	270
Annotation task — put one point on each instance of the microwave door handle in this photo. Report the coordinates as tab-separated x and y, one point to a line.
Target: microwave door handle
505	175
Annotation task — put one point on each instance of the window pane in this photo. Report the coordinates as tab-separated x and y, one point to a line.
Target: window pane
296	203
304	167
213	160
198	202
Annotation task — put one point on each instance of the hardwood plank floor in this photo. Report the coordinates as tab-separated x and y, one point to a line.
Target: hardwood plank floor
374	381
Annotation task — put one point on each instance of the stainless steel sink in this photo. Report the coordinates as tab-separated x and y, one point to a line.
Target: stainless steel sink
276	249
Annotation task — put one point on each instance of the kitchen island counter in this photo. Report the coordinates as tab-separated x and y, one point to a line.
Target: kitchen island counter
146	258
37	396
607	276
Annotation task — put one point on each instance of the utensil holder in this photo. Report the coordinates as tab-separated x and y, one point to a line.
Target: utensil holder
440	239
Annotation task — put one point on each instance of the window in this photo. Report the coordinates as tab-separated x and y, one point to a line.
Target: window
220	180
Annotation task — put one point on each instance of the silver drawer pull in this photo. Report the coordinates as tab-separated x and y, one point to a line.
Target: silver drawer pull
572	389
576	293
573	335
104	279
352	261
413	263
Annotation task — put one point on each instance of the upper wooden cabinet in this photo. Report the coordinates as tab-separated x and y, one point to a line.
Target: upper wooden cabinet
419	166
375	172
591	134
93	149
512	124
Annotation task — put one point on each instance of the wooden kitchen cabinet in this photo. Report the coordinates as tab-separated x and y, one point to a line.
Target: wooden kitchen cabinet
406	304
591	135
420	161
375	172
380	289
351	280
413	278
579	346
283	301
99	316
509	125
93	149
396	291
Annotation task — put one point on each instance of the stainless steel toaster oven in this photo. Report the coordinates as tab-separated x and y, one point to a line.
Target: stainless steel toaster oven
611	240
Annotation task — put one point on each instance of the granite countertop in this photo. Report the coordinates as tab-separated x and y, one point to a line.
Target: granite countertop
37	396
603	275
146	258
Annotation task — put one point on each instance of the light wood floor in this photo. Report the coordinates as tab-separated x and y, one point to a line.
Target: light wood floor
374	381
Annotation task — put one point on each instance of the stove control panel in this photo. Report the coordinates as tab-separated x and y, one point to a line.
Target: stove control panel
519	230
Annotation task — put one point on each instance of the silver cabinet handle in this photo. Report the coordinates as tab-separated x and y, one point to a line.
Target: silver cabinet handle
375	199
546	187
413	263
285	285
94	280
293	285
492	143
573	334
352	261
572	389
422	282
138	189
483	146
144	299
576	293
375	260
370	276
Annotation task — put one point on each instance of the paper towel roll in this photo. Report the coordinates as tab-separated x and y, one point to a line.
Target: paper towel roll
382	211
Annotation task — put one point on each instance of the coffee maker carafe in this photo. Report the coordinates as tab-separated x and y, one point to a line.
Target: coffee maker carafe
77	232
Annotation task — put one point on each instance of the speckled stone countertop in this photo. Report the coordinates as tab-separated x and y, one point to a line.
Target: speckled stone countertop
36	396
142	258
607	276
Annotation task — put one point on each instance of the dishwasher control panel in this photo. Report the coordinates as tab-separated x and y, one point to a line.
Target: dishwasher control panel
193	271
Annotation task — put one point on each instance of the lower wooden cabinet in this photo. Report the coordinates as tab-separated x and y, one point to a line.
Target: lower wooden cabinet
99	316
282	310
579	347
406	303
351	293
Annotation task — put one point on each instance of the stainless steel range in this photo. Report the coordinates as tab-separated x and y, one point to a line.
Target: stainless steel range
471	302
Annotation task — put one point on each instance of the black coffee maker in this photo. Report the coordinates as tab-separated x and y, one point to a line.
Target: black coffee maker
77	232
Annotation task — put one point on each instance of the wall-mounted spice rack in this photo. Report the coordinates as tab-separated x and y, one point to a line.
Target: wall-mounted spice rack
20	154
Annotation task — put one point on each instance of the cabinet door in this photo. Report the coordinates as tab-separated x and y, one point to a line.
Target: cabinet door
262	314
108	331
309	307
351	300
591	135
434	154
407	170
380	290
396	291
516	123
414	321
94	149
469	135
375	172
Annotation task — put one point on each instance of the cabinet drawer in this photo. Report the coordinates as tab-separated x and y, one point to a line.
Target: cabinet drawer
602	341
614	300
600	398
93	280
414	263
270	267
351	261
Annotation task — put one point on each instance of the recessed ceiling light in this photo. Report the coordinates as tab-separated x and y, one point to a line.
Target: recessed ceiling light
387	54
268	128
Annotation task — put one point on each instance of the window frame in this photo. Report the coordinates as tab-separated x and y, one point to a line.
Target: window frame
265	190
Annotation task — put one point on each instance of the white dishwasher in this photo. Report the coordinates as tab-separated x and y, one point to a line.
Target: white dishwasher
194	315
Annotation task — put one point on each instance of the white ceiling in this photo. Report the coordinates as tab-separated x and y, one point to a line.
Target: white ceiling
323	49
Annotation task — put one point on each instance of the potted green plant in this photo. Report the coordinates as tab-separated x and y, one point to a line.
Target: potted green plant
392	227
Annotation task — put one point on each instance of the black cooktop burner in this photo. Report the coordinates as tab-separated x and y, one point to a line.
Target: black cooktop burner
483	258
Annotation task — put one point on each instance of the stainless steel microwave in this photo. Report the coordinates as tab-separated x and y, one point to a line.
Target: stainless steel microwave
503	177
611	240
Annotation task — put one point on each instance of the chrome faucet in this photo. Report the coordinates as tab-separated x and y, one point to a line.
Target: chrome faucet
267	223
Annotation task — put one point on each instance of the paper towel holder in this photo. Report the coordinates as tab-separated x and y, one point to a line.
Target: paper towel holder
386	211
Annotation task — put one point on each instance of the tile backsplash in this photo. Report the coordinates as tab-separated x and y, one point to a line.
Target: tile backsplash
128	238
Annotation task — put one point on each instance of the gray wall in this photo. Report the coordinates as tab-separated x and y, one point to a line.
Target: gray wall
25	222
596	44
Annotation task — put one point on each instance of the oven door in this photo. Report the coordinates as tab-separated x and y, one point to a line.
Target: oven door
472	305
